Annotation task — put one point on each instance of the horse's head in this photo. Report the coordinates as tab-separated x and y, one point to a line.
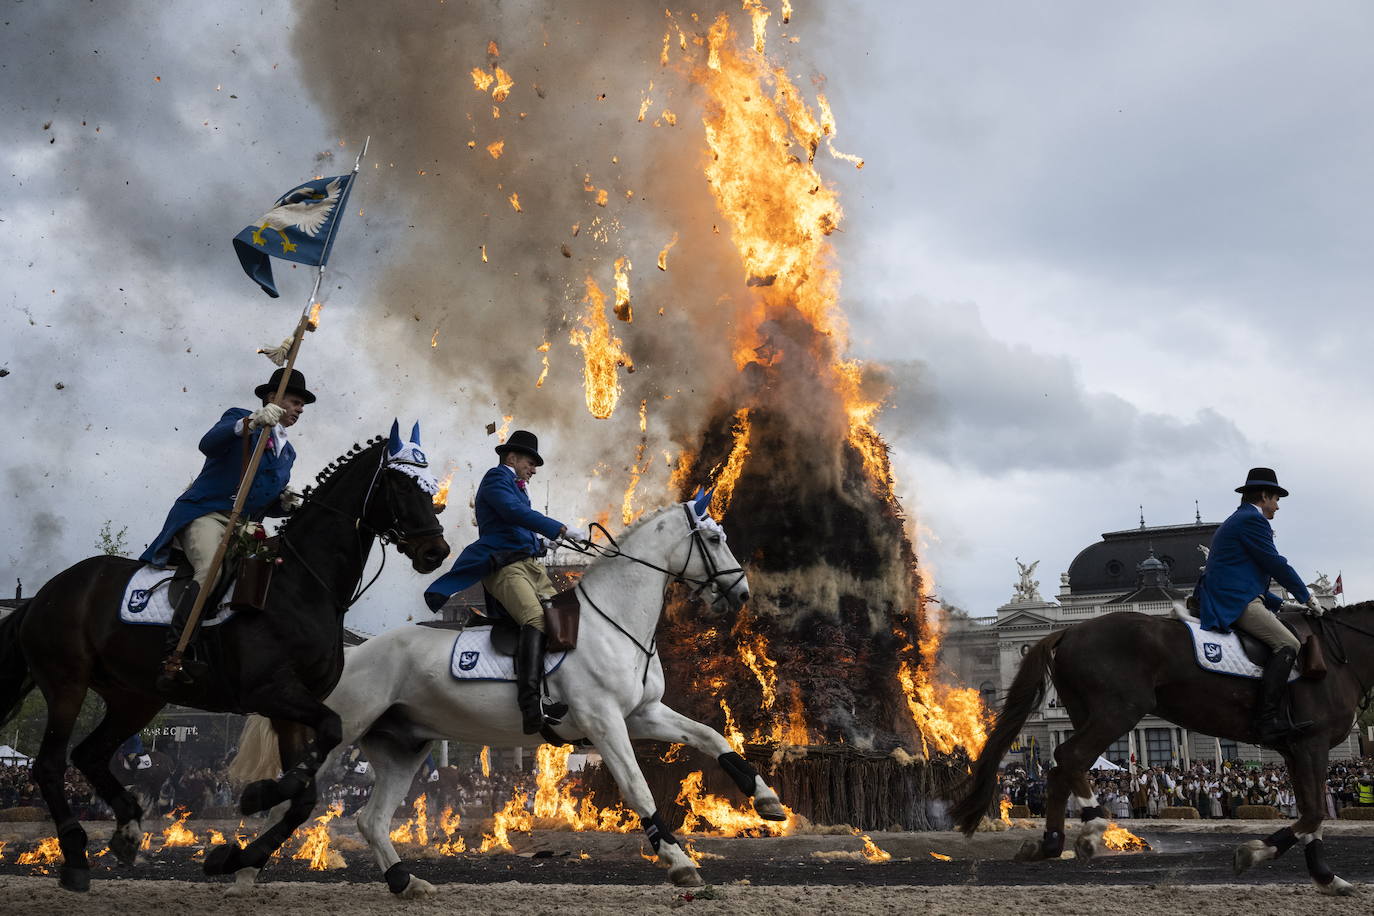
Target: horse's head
401	505
705	559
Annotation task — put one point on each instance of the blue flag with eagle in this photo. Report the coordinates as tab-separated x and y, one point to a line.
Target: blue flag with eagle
299	227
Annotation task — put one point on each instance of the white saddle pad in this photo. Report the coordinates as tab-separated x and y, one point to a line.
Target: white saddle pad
474	659
1222	653
144	604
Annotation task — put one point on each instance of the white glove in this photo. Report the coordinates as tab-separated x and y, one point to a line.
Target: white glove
1314	607
575	534
290	500
266	415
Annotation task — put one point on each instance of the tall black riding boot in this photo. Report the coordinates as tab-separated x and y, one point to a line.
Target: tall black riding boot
529	676
175	669
1272	724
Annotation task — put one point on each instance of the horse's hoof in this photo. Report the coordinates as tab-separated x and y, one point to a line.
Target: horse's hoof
1084	847
259	796
222	860
685	876
418	888
75	879
1250	853
125	842
770	809
1338	887
244	879
1030	851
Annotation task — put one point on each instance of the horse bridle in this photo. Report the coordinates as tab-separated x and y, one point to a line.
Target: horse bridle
389	535
697	534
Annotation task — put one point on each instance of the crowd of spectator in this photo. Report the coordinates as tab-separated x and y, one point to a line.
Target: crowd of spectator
1216	792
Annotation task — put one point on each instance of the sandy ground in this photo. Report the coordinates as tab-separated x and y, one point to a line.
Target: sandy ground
1186	874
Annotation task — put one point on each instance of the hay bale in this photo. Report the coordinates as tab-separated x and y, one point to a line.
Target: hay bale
1180	813
1019	811
1257	813
1354	813
30	813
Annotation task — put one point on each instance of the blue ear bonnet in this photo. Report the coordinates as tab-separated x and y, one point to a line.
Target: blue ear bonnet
702	501
394	444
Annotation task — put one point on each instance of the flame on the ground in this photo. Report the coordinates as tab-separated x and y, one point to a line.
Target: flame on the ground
939	855
496	148
316	848
452	844
216	838
434	340
511	818
415	829
603	355
1004	809
871	850
441	496
711	813
485	758
553	799
45	853
1121	839
176	834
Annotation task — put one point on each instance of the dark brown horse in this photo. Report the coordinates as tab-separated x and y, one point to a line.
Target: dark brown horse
69	639
1112	671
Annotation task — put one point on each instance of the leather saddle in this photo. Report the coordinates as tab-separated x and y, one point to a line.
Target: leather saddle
180	574
562	615
1311	663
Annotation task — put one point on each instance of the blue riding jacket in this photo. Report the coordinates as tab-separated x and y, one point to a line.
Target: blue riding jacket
213	489
1241	563
506	529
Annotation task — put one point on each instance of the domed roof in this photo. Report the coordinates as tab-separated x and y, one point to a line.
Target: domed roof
1115	563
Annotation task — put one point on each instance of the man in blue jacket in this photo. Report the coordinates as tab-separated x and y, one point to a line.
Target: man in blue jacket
1234	592
196	523
511	535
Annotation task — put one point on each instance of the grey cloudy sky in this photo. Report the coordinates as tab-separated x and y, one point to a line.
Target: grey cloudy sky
1112	254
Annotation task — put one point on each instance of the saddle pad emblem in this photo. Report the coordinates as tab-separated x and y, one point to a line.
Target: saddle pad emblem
1212	650
473	658
146	600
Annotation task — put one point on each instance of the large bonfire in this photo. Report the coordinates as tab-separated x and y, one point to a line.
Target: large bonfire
659	258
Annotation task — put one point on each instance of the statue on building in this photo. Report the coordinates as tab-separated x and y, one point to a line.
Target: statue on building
1027	589
1322	587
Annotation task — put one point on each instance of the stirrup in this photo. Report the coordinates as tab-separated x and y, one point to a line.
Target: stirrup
554	710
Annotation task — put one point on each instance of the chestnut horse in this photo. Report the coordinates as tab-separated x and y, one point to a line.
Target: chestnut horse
1113	670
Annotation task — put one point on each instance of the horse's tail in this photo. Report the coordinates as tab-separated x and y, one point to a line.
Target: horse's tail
1026	692
15	679
258	756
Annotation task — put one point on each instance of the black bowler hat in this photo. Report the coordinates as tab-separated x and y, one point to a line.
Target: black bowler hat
523	441
1262	479
296	386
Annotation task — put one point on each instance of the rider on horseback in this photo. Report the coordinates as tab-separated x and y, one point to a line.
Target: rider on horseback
510	537
1234	592
198	518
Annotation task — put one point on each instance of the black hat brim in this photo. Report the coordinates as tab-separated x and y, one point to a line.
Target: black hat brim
267	390
1272	487
506	447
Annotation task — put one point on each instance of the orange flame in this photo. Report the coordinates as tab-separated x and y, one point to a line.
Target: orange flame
515	205
448	825
724	480
45	853
504	84
511	818
602	354
481	79
495	148
316	846
434	340
176	833
704	809
1121	839
441	497
415	829
623	311
313	322
663	255
504	429
939	855
486	762
871	851
1004	809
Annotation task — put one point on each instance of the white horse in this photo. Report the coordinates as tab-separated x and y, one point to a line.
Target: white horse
397	694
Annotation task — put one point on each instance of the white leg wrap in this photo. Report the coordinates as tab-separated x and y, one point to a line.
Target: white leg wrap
244	879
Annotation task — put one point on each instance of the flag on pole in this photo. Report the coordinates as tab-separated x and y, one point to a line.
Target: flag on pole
298	227
1340	586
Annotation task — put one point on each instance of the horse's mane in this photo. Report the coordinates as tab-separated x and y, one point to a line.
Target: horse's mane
329	474
643	519
1360	606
